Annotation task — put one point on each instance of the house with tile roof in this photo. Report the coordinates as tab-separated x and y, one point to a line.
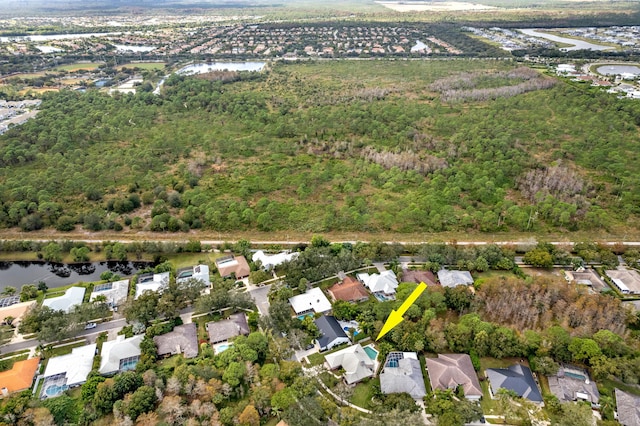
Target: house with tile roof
233	265
517	378
349	290
355	362
20	377
182	340
448	371
402	373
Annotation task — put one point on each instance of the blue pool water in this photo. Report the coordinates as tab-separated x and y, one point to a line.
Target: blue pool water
393	364
129	365
575	376
223	347
372	353
302	317
55	390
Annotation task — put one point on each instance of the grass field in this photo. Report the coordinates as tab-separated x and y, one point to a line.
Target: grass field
363	392
143	65
79	66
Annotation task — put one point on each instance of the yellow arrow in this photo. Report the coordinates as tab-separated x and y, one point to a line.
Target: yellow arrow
395	317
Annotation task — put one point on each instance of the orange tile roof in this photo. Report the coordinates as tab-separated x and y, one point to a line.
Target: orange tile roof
349	290
20	377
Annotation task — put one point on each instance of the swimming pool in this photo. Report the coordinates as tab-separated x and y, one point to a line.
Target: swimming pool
372	353
355	332
302	317
129	365
222	347
55	390
575	376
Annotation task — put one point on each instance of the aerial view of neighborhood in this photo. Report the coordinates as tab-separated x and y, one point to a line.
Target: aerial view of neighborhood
298	213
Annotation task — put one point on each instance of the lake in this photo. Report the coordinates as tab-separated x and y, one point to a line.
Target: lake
575	44
15	274
221	66
135	49
618	69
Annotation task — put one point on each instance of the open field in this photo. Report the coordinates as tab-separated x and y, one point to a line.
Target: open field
143	65
445	6
79	67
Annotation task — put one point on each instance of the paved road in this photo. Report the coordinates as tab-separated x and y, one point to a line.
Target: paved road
105	326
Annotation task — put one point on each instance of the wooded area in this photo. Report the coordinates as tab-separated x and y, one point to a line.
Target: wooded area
328	146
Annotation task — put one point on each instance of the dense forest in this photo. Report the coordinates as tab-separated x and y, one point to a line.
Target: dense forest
366	146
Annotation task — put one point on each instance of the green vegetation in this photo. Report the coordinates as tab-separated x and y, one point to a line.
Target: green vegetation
326	146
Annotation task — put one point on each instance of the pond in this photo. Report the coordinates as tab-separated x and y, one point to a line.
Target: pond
203	68
574	44
618	70
16	274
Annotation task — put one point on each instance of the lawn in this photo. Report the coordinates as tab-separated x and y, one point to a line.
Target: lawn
184	260
318	358
79	67
363	392
144	65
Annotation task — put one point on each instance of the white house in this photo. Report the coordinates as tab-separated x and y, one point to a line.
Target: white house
384	283
355	362
453	278
313	300
69	370
115	292
269	261
198	272
72	297
151	282
120	355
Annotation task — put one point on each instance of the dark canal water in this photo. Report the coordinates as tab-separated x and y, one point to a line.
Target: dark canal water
16	274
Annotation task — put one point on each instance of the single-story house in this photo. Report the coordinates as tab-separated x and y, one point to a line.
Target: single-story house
517	378
115	292
626	280
270	261
152	282
628	408
573	384
415	276
384	284
332	333
72	297
119	355
236	265
68	371
198	272
221	331
182	340
402	373
349	290
355	362
20	377
15	311
448	371
453	278
312	301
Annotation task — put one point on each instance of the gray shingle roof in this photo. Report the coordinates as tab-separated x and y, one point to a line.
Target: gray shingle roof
219	331
517	378
330	329
449	371
403	375
183	339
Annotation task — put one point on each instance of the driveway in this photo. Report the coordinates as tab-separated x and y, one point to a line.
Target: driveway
299	355
259	295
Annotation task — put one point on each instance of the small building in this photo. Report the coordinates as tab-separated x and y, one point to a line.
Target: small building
115	292
628	408
355	362
448	371
233	265
222	331
573	384
198	272
270	261
312	301
382	285
332	333
348	290
72	297
415	276
152	282
626	280
517	378
20	377
454	278
182	340
119	355
67	371
402	373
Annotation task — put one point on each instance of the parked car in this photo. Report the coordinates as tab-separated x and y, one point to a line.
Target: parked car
90	325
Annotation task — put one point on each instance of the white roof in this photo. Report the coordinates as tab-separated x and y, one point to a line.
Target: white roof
354	360
199	272
385	282
312	299
115	292
270	260
76	366
453	278
72	297
159	280
618	282
115	350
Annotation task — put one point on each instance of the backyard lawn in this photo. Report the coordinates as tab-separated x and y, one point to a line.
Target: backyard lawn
363	392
